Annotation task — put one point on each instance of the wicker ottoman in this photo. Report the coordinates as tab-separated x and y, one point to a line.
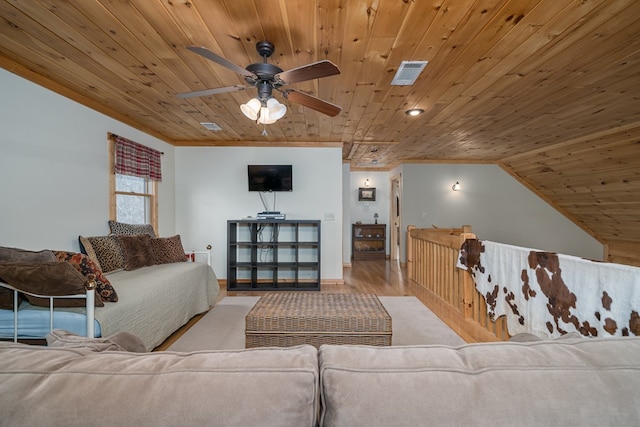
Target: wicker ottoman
292	318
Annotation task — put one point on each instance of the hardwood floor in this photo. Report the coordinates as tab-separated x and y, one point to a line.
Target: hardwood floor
380	277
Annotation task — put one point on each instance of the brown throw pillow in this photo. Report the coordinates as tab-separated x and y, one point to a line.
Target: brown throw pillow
6	298
168	249
137	251
47	278
84	265
17	254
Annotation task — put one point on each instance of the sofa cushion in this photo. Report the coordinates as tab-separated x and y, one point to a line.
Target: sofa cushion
561	382
105	251
17	254
258	387
137	251
122	341
47	278
121	228
168	249
86	266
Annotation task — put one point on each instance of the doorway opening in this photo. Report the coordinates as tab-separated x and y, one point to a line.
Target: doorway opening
395	215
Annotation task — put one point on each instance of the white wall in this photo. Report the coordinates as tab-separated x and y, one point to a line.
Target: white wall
346	214
211	188
497	207
54	168
364	211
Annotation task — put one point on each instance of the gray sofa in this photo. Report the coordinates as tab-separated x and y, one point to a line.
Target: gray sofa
563	382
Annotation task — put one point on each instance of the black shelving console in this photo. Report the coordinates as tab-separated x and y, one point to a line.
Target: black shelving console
273	254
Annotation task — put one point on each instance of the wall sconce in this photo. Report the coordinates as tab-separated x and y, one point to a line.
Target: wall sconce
366	182
456	186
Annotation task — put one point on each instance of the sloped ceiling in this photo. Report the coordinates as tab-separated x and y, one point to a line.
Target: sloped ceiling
548	89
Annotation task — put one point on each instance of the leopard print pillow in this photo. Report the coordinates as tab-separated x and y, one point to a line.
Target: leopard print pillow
105	251
168	249
121	228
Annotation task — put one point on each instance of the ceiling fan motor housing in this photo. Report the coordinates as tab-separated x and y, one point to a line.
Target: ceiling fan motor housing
265	48
264	90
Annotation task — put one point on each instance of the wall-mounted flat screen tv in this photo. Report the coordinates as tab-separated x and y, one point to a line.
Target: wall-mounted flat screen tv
270	177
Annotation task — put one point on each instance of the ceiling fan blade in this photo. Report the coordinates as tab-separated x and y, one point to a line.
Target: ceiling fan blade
312	71
215	91
202	51
312	102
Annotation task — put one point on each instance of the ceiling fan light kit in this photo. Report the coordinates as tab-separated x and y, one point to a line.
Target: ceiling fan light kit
264	112
265	109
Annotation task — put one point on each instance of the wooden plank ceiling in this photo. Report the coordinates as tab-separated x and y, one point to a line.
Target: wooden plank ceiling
548	89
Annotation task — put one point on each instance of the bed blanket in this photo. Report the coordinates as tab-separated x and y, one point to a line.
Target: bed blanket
549	294
155	301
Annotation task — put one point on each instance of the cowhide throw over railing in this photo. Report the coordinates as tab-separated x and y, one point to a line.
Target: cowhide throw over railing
550	294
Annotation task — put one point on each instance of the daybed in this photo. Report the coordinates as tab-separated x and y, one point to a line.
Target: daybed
584	381
150	300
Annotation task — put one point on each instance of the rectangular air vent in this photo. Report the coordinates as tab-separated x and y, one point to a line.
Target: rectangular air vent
408	73
211	126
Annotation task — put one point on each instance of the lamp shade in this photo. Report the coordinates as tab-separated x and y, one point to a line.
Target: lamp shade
251	108
266	113
276	109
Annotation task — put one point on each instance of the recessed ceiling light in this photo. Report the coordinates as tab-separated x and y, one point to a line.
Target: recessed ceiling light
414	112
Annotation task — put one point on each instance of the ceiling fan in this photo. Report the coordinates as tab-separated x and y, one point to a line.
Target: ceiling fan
266	77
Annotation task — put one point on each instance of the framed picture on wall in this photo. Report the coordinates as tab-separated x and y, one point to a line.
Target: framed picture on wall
366	194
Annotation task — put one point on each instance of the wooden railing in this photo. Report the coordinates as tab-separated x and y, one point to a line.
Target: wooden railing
432	255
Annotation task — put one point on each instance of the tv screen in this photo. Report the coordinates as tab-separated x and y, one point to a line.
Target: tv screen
270	178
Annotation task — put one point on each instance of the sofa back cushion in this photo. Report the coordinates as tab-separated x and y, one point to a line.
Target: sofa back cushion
258	387
566	382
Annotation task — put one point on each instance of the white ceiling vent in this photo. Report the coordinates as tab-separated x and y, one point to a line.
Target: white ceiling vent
408	73
372	164
211	126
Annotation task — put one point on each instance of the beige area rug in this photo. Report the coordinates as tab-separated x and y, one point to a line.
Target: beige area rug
222	328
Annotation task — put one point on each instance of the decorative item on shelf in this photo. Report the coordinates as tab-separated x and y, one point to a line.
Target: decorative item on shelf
375	218
367	194
456	186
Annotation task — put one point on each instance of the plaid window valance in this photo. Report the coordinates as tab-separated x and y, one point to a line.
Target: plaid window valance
137	160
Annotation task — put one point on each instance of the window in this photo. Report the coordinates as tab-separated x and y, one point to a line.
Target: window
133	199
